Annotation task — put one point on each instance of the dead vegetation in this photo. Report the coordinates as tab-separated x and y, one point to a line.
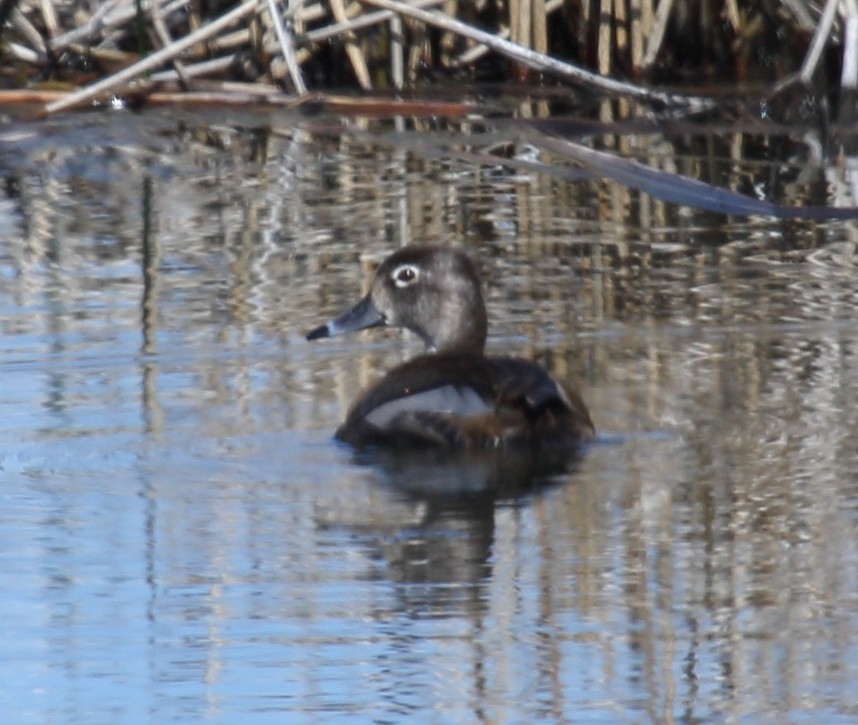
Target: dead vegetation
67	53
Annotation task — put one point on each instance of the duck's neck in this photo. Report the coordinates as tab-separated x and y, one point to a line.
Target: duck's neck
457	332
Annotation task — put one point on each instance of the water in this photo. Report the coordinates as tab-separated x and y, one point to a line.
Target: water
181	540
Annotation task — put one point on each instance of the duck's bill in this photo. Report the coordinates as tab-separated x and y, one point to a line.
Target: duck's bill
363	315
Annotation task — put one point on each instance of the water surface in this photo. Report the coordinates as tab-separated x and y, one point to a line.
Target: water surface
181	540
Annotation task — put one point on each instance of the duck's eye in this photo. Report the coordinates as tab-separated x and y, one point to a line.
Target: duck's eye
405	275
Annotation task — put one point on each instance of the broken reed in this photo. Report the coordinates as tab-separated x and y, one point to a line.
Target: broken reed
320	44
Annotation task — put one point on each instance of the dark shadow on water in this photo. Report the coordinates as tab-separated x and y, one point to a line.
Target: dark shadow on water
462	478
441	562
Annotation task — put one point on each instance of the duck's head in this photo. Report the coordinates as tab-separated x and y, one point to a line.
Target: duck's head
432	291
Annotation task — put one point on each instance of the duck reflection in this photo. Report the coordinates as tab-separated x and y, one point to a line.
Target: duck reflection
442	553
457	478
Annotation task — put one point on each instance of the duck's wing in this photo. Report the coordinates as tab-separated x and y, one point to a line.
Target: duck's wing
421	401
549	411
467	401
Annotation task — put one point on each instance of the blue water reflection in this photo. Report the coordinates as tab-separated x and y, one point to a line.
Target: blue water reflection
181	540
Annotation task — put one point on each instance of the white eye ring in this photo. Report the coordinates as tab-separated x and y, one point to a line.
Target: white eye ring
405	275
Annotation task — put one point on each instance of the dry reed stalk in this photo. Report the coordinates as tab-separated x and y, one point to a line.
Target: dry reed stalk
539	25
823	30
732	8
22	53
109	16
236	39
621	28
478	50
448	40
284	37
295	17
475	52
49	15
849	78
800	10
359	22
164	36
419	49
635	28
194	70
106	55
516	29
28	30
152	61
656	37
397	57
20	97
302	14
647	17
541	62
604	45
195	15
356	57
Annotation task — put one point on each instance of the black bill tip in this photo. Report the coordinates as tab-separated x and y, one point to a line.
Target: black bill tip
363	315
318	333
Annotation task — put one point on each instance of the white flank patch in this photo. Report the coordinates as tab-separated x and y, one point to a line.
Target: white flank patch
449	400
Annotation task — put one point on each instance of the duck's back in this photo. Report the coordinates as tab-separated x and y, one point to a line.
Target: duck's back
464	400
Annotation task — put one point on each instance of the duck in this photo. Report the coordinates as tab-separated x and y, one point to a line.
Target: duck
453	396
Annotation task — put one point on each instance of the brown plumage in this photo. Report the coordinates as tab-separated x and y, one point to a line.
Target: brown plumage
454	396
